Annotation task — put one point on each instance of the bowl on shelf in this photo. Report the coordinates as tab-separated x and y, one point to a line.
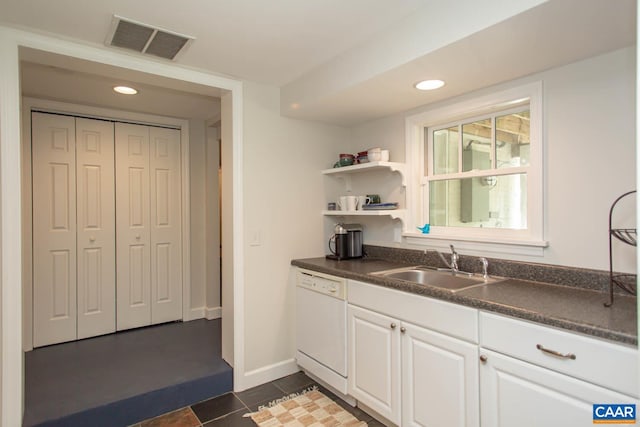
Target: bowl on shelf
374	154
345	161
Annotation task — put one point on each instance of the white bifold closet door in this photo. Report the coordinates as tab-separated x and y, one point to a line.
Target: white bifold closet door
148	225
73	228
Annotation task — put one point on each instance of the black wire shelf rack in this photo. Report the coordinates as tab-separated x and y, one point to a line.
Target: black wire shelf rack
626	282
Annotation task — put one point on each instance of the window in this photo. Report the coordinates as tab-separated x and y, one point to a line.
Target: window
476	169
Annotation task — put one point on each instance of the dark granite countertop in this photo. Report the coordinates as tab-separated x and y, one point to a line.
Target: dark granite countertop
575	309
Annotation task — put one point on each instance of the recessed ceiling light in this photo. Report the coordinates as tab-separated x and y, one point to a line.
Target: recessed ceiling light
429	84
125	90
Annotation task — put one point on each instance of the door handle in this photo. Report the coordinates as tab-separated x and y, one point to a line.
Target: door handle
92	238
138	237
556	353
392	326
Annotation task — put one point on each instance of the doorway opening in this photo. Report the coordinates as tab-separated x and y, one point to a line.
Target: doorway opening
43	77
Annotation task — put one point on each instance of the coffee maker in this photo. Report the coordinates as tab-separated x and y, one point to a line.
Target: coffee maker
347	242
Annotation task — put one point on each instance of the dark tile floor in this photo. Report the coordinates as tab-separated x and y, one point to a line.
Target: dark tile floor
229	409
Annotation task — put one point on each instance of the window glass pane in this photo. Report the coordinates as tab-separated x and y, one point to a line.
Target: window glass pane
512	140
445	150
490	202
476	145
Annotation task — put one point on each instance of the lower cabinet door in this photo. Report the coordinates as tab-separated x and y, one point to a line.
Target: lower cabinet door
439	379
374	361
517	393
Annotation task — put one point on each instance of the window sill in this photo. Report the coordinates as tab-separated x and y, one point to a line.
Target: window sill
481	245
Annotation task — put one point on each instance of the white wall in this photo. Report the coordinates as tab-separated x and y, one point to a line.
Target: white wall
212	231
590	121
589	156
226	238
197	141
205	237
283	197
205	221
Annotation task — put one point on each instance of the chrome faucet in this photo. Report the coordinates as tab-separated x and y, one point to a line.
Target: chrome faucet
454	259
485	268
453	264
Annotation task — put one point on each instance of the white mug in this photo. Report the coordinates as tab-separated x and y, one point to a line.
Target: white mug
348	203
363	200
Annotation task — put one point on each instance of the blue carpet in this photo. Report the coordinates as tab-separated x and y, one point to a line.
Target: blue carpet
123	378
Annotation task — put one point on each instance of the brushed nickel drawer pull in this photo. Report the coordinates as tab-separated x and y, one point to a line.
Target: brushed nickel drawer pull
556	353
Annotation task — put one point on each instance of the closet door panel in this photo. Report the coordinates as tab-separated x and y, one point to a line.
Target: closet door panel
54	228
166	224
96	280
133	243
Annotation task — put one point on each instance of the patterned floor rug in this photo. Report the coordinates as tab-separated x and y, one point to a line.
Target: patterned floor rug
310	409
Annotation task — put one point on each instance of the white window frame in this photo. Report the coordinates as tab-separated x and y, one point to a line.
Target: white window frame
522	242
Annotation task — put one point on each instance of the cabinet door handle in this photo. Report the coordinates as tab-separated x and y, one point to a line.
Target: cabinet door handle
483	358
393	326
92	238
556	353
403	329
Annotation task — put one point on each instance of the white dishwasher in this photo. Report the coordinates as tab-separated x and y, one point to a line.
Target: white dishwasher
321	327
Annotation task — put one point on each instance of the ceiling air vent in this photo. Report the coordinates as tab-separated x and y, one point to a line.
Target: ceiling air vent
142	38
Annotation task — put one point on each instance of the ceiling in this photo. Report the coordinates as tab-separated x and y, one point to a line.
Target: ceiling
60	78
335	61
271	42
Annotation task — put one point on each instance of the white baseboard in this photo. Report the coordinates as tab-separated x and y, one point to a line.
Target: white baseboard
208	313
193	314
266	374
211	313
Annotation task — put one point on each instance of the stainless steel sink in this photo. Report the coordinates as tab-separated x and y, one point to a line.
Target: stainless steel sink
448	280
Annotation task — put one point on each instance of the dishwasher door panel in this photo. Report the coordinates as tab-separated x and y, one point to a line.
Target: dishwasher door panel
321	329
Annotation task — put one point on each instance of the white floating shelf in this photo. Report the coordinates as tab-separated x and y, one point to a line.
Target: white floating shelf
393	213
365	167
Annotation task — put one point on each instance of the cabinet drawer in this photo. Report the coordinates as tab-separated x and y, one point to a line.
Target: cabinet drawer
451	319
597	361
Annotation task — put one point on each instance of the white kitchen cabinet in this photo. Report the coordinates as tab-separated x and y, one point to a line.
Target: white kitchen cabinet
606	364
439	379
402	368
374	361
533	375
517	393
